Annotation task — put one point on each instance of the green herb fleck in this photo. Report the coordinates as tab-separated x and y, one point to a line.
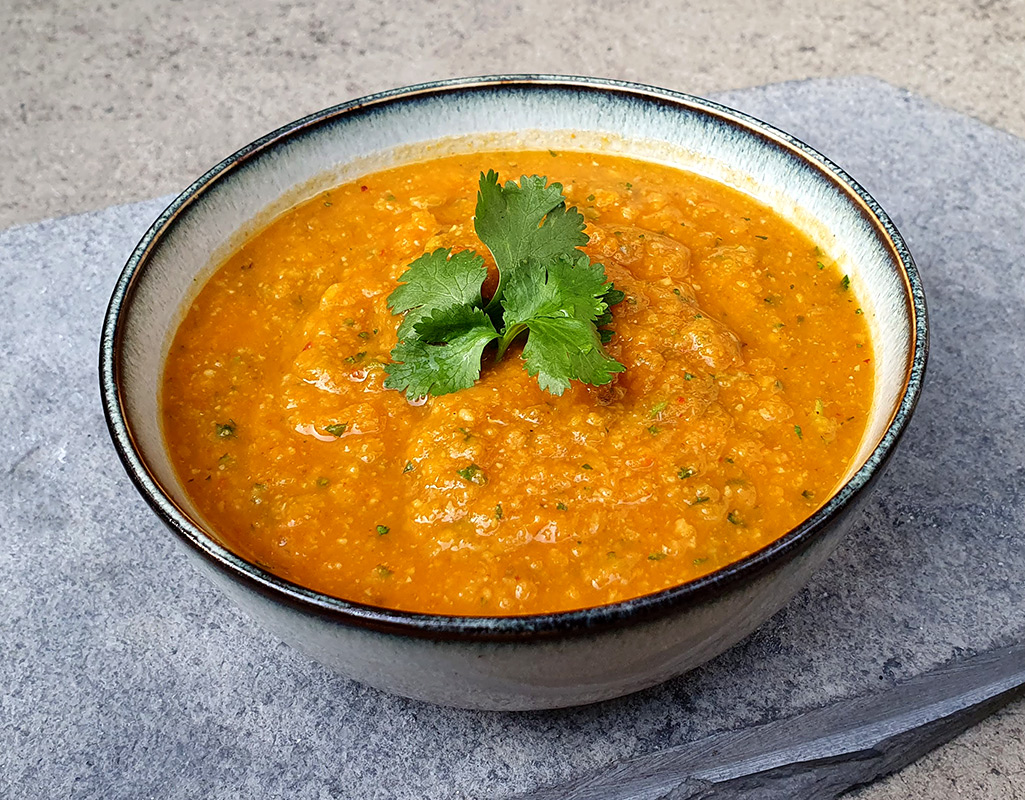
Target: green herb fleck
684	473
807	494
560	506
845	284
382	530
586	466
473	474
701	499
225	430
383	571
858	311
763	238
498	511
734	518
337	429
797	430
820	265
658	408
656	556
322	482
654	430
408	468
688	376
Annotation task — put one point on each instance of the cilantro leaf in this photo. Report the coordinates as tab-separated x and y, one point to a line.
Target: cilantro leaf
435	281
559	306
564	288
444	354
560	351
612	297
524	221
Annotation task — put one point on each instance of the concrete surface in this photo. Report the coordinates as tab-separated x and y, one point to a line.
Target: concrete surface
105	102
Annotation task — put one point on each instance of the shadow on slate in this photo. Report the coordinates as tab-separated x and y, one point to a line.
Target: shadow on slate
128	676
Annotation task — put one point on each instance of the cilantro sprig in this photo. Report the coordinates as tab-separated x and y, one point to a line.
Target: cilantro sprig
548	288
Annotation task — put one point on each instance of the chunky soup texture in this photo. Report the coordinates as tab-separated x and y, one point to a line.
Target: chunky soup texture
748	382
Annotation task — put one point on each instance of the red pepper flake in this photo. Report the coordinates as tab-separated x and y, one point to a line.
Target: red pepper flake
309	344
362	188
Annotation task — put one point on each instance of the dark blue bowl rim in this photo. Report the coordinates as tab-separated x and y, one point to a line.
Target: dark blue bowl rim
533	626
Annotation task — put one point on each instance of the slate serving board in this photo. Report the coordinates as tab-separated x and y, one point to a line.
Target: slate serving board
125	675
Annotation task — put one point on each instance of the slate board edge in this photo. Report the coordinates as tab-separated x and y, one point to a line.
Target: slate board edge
821	753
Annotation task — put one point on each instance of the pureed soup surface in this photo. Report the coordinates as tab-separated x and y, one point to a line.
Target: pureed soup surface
748	382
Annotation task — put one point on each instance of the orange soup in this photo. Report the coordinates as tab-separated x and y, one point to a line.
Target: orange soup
747	386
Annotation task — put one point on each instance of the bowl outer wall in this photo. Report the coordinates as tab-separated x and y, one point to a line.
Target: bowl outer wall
547	671
684	626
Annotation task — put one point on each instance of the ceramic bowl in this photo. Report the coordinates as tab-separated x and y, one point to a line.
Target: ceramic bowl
519	662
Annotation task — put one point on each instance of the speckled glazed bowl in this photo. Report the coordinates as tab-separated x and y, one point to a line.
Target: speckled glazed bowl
523	662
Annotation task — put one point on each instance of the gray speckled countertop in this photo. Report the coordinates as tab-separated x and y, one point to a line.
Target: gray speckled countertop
127	676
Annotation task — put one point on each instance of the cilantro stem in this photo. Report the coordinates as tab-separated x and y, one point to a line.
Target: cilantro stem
494	304
507	339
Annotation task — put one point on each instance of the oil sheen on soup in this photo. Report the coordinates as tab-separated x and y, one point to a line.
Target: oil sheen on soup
748	383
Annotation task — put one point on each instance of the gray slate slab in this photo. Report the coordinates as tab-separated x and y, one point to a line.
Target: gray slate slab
127	676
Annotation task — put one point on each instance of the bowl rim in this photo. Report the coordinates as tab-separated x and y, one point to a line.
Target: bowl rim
583	621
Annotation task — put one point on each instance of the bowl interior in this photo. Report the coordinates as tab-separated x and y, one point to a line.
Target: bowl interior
243	193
